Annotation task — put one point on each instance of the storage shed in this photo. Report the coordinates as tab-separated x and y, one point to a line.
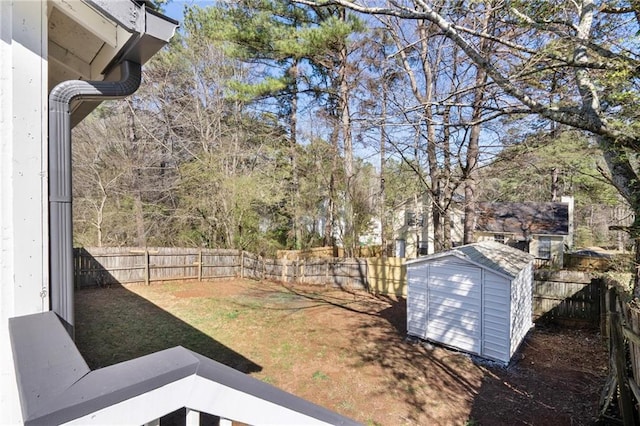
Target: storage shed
476	298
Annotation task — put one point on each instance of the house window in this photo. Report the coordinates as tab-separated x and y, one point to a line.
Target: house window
411	218
499	238
544	248
423	248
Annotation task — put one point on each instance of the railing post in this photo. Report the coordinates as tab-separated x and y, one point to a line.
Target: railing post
192	418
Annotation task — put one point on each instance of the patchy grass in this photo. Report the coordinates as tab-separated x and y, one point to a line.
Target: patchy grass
346	351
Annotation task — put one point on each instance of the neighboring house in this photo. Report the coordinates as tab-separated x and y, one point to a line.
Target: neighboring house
413	227
58	60
542	229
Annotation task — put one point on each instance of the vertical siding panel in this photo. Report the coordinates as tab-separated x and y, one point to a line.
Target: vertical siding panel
495	324
417	280
454	305
522	305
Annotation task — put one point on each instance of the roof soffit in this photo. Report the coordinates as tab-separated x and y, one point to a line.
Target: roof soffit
87	39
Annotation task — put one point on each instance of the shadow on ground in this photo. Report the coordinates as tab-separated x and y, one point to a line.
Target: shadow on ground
114	324
554	379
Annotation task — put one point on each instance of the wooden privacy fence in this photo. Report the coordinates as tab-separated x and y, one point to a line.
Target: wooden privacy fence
622	329
110	265
567	297
557	296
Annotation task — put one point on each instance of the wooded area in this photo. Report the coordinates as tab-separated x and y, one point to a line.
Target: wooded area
274	125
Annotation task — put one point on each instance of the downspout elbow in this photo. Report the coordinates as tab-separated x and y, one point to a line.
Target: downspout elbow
60	179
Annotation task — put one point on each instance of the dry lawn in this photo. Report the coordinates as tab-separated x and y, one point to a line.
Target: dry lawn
346	351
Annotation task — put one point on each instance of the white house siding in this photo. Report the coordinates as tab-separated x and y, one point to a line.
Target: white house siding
495	317
521	302
23	184
454	305
557	248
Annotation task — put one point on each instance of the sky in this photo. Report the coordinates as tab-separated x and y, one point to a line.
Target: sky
175	7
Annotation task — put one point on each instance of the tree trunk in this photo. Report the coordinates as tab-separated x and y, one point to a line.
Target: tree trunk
473	150
383	207
349	237
138	206
446	192
332	214
554	184
624	177
293	146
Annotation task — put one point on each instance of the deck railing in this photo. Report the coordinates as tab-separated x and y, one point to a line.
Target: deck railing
57	387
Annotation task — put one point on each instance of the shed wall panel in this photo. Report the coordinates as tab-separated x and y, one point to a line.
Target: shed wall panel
454	306
522	304
495	332
23	179
417	301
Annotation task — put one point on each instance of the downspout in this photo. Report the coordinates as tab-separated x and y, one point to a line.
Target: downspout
60	182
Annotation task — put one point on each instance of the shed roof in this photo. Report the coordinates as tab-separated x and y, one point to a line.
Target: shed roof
523	219
492	255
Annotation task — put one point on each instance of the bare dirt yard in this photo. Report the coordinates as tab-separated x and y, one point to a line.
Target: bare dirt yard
347	351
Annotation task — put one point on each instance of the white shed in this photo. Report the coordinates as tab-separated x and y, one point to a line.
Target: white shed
476	298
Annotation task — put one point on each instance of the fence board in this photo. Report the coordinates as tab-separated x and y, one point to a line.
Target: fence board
387	276
566	297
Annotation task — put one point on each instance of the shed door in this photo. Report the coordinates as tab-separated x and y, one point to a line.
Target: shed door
454	302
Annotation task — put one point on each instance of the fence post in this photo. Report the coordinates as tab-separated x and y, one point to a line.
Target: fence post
241	263
200	265
147	269
326	273
604	312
